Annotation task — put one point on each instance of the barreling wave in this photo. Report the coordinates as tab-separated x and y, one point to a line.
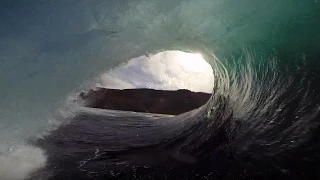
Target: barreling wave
258	119
261	122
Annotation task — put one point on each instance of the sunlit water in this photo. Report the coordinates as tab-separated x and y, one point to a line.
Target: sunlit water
262	120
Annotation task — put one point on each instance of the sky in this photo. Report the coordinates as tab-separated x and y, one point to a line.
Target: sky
168	70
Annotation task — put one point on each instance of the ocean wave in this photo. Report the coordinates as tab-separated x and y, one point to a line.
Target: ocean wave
262	120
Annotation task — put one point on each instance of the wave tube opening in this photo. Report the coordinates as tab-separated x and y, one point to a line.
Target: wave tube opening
169	82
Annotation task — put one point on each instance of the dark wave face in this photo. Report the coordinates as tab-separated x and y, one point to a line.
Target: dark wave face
261	122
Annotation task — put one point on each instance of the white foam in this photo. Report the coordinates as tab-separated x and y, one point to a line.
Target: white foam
18	163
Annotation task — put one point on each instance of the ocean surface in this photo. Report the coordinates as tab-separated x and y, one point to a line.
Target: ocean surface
261	122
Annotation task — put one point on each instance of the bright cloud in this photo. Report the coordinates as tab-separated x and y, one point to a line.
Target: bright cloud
168	70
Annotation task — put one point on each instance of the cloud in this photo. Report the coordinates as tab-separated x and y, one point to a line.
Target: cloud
168	70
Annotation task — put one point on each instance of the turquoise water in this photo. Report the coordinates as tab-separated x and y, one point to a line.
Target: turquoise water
262	53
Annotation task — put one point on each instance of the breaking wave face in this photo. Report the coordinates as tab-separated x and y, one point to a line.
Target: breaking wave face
262	120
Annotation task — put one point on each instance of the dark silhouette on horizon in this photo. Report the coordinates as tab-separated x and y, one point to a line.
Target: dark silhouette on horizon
172	102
